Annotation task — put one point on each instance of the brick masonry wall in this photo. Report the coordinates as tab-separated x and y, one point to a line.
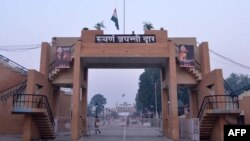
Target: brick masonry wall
10	123
64	104
63	114
13	123
9	77
244	105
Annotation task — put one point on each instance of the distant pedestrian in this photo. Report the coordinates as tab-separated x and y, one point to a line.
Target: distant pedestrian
97	123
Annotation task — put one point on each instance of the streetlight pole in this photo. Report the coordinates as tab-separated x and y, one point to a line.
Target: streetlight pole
156	113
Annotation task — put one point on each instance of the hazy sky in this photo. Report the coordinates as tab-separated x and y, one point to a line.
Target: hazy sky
223	23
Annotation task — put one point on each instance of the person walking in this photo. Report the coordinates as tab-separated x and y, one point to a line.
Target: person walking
97	123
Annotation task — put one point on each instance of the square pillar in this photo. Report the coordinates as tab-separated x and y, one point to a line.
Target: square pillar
173	102
44	60
165	111
204	58
193	104
77	79
84	102
84	112
30	132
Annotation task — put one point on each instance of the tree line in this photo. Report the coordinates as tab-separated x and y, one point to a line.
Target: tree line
145	97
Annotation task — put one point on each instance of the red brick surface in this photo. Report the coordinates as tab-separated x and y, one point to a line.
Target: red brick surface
9	77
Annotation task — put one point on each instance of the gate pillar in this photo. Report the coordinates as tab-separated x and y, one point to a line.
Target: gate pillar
77	79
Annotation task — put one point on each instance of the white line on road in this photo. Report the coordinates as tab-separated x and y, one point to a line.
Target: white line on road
124	133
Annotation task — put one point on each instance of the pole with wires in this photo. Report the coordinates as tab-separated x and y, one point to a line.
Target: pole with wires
124	16
156	112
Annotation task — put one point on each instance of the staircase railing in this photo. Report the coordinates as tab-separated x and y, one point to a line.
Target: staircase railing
197	65
52	66
13	64
23	101
242	90
228	89
19	88
218	102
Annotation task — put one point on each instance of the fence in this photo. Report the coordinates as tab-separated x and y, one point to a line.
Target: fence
63	126
226	102
133	126
189	129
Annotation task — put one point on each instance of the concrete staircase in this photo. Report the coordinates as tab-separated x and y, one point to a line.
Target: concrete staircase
38	107
212	108
46	129
54	73
195	72
207	125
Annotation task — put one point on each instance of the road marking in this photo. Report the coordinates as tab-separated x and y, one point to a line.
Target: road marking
124	133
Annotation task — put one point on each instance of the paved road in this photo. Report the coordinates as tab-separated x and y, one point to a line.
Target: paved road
94	138
111	132
124	133
127	138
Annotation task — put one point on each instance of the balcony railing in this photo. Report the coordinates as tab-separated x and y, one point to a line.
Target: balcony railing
24	103
219	102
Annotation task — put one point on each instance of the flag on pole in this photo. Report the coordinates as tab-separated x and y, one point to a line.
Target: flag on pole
114	18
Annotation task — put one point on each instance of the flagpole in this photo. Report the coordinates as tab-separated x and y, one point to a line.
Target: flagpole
124	17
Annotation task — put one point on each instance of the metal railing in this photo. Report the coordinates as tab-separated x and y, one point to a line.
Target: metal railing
228	89
197	65
241	90
13	65
19	88
52	66
32	101
218	102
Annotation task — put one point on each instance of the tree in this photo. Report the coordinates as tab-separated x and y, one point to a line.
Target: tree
238	81
99	25
147	26
145	98
98	101
183	99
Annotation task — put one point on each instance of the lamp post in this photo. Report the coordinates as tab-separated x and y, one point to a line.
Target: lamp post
156	113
